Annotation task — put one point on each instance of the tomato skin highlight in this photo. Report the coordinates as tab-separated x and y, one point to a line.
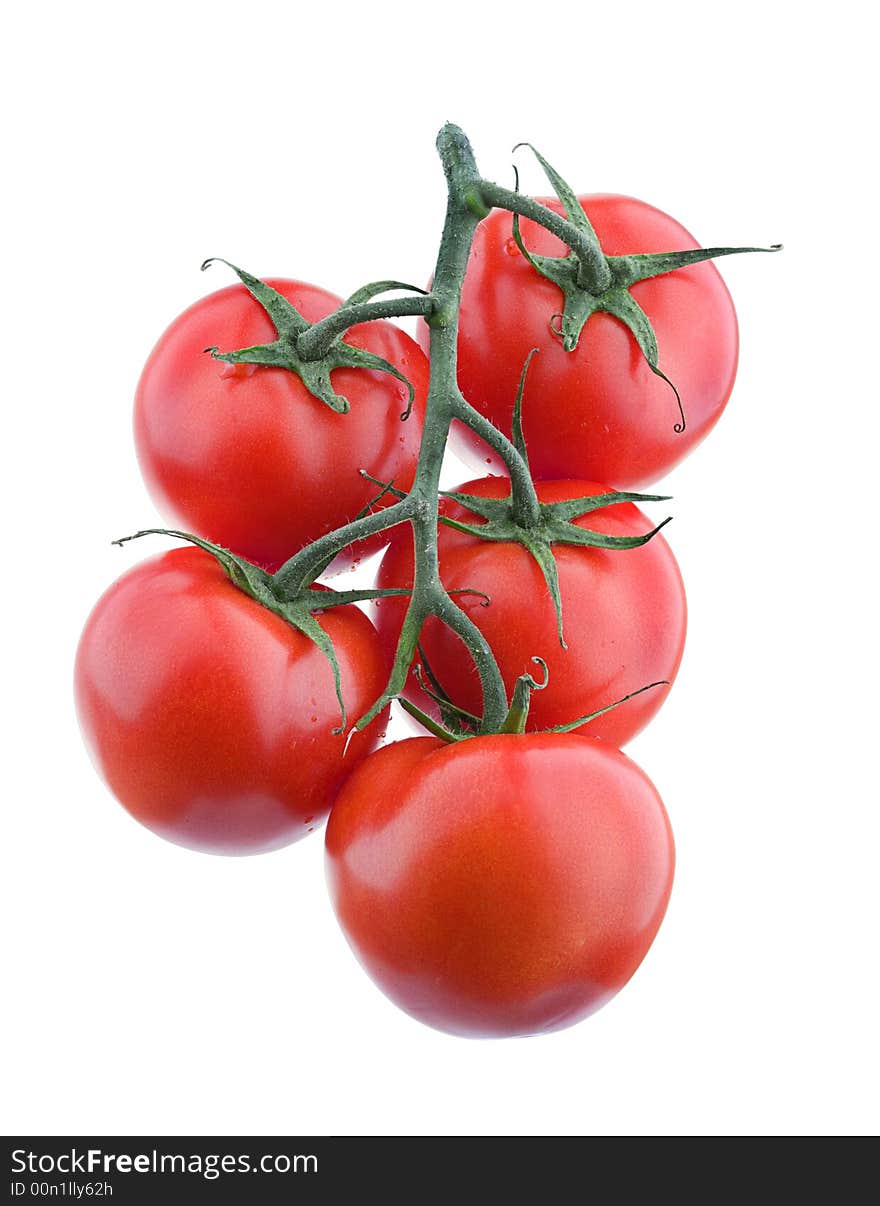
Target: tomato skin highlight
598	412
210	717
244	456
504	885
624	615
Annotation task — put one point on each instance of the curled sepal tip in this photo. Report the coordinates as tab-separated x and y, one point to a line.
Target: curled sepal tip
623	306
518	714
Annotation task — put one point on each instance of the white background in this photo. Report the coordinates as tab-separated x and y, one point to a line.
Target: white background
149	989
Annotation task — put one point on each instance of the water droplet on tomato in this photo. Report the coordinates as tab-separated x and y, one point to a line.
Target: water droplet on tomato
313	719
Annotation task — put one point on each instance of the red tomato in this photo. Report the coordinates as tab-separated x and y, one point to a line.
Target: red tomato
597	412
209	716
504	885
624	615
244	456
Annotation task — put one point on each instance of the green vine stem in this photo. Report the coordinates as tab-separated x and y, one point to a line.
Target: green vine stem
316	341
589	280
524	500
594	274
465	209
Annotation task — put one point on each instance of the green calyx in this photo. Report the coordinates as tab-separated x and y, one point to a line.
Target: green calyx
458	725
312	359
555	526
266	589
600	283
503	523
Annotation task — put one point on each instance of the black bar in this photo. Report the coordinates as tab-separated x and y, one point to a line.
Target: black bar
127	1170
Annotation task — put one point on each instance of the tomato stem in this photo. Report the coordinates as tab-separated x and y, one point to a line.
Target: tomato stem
310	562
593	269
470	198
518	713
465	210
524	500
315	343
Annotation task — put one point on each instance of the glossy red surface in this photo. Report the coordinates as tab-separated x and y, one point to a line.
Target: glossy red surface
506	885
210	717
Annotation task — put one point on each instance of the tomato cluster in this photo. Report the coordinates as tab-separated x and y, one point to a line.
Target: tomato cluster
494	879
